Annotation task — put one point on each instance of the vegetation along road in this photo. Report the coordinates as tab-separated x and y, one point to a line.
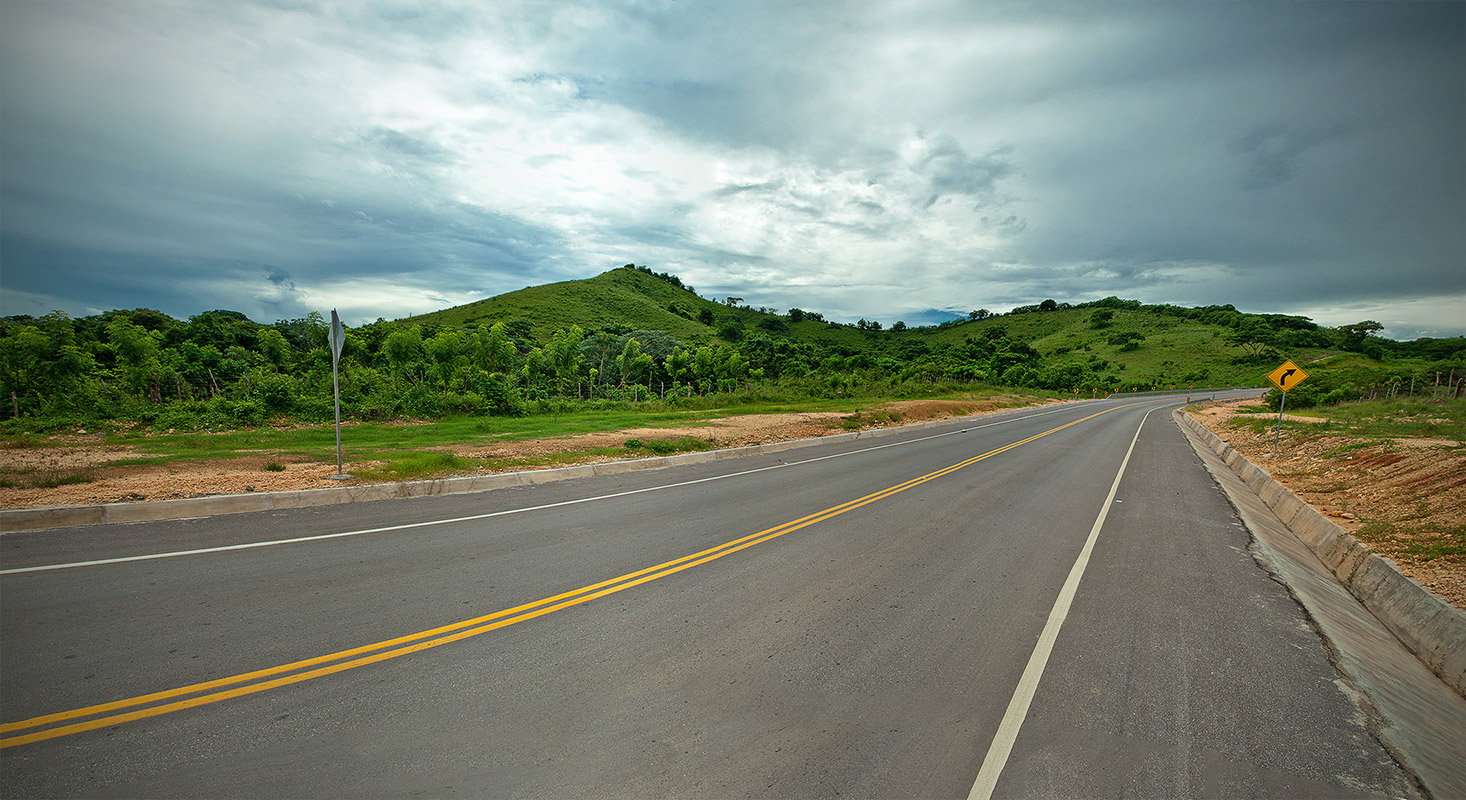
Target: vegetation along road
1053	601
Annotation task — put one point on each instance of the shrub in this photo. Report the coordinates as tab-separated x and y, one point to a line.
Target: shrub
276	393
248	412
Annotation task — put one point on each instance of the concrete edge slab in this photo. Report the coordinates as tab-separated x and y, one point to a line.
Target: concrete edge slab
1432	629
1416	714
27	519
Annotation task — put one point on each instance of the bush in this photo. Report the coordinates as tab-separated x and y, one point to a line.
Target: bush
248	413
276	393
191	415
501	398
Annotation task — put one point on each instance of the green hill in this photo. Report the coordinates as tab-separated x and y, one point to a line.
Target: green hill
1110	343
629	297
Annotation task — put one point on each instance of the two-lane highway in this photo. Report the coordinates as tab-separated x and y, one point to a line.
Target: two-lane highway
1049	602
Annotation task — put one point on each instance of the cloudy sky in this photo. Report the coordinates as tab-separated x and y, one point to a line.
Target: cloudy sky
898	160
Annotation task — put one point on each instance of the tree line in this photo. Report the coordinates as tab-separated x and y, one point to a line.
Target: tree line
219	368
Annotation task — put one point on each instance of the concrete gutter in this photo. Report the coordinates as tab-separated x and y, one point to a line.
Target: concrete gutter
1431	628
1399	649
25	519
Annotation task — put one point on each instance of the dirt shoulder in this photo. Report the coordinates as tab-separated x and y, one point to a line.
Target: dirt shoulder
1405	497
107	482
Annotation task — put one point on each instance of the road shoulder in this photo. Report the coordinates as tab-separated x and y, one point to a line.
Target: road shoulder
1417	715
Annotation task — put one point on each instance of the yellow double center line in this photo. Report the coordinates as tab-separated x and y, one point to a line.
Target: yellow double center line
152	705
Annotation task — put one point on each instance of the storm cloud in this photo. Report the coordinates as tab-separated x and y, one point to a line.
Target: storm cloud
893	161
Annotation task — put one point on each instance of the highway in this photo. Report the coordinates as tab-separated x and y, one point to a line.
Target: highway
1049	602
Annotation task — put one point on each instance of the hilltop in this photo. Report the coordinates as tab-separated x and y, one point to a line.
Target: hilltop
629	297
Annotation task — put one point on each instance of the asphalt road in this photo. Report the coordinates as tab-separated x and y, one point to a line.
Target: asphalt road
853	619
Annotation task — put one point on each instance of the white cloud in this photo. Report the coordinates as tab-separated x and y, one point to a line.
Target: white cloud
1404	318
861	160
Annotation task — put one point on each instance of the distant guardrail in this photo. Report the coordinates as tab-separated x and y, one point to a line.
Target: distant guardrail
1209	390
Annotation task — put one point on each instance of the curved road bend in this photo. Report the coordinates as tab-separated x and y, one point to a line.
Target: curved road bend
853	619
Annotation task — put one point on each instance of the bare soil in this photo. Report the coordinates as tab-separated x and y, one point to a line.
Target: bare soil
71	456
1397	495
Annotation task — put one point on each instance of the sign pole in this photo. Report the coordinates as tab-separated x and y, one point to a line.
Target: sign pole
336	390
338	338
1277	434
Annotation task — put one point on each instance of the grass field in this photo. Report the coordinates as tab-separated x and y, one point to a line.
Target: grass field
413	449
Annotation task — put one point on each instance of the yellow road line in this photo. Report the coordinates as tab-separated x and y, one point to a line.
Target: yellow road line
446	634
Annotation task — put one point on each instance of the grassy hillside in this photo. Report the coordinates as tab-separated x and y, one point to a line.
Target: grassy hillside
1173	352
626	297
1121	346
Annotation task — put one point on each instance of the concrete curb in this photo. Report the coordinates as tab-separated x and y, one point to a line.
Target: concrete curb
26	519
1429	627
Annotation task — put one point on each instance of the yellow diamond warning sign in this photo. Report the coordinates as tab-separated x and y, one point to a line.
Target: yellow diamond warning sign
1287	377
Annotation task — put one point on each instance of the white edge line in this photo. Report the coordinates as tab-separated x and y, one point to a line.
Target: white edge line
1002	744
325	536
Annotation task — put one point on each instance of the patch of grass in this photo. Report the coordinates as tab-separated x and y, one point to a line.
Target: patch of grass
549	460
665	447
53	479
1403	417
1420	542
1257	426
1352	446
861	419
407	465
274	466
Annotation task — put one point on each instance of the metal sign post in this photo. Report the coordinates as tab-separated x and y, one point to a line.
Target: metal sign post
338	338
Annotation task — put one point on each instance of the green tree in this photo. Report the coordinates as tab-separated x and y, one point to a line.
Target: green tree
44	366
631	362
1355	335
448	353
564	354
275	349
403	349
136	349
497	352
1254	336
